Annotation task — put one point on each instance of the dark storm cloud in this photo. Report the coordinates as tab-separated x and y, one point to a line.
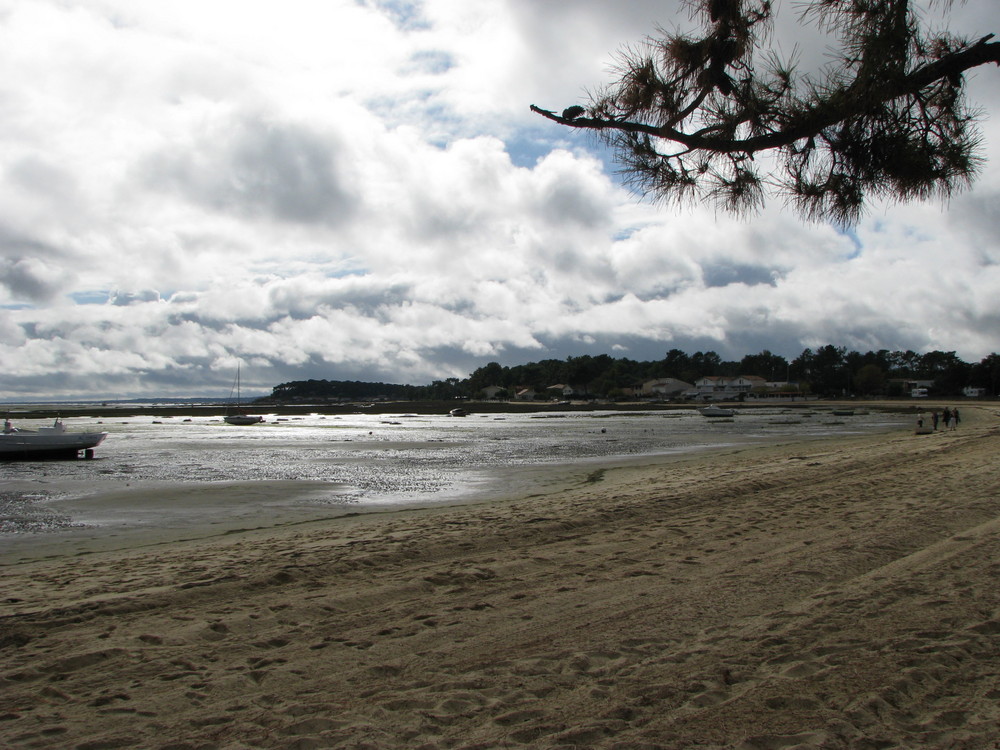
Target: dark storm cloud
723	274
124	299
29	269
258	169
567	201
27	279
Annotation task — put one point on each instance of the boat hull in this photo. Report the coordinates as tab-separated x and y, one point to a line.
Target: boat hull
20	446
716	411
242	419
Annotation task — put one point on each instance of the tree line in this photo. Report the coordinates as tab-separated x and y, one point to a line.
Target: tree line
826	371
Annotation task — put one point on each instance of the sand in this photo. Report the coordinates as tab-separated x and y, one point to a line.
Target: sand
834	594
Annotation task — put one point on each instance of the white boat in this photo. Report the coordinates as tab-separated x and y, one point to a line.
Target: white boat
459	412
717	411
46	442
236	414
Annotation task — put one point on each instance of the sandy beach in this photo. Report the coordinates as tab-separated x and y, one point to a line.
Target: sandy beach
839	593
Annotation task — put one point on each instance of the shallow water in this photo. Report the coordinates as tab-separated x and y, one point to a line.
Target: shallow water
189	473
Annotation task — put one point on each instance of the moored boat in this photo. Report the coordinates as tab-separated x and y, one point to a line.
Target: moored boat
236	414
46	442
717	411
242	418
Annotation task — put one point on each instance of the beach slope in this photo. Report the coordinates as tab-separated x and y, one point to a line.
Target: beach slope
836	593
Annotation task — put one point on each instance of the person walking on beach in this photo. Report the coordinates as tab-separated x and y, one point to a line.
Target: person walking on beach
934	419
953	419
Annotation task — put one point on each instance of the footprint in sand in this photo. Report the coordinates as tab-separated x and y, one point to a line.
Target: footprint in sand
785	741
517	717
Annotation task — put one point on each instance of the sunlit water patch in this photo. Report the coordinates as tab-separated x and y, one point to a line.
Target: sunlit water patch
316	465
30	512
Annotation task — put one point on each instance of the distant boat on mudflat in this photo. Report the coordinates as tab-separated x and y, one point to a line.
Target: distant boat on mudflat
242	418
236	414
46	442
717	411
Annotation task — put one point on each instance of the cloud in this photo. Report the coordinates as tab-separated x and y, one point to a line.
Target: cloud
357	190
28	277
254	169
124	299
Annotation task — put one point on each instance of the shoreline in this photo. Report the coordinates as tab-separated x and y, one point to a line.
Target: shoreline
831	593
119	410
531	481
94	516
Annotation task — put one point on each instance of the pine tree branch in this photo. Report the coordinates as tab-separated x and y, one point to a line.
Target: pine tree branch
862	96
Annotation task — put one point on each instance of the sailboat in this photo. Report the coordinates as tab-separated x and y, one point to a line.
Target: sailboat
235	413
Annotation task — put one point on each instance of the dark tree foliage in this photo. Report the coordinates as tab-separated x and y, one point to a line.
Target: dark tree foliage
869	379
829	371
339	390
689	115
826	369
986	374
766	365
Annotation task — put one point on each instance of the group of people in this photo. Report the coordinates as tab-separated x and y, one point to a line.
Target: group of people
948	418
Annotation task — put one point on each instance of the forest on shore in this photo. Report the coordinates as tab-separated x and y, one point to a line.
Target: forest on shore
827	371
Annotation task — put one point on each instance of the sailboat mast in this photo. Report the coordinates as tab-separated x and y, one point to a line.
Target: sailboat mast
235	413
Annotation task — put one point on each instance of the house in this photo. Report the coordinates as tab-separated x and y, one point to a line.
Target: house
912	387
560	390
748	383
662	388
525	394
491	391
719	387
973	392
711	386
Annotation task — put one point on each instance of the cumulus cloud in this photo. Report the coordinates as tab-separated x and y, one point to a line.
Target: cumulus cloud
258	169
27	278
357	190
123	299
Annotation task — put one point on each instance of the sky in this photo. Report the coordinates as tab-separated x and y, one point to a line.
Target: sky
357	190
